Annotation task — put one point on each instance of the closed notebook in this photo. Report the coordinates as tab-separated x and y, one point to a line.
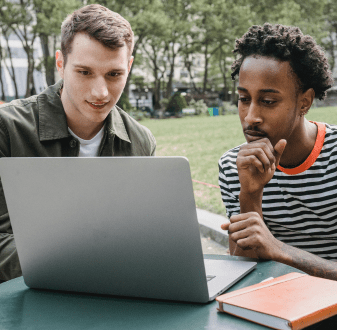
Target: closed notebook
292	301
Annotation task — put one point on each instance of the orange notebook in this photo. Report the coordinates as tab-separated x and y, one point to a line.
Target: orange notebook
292	301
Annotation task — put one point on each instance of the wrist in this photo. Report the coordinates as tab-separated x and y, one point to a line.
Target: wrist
282	254
250	202
255	196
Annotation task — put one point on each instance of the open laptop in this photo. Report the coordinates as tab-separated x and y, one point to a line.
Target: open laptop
117	225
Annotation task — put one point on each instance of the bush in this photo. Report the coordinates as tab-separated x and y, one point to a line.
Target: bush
176	104
124	103
228	108
164	103
139	115
199	106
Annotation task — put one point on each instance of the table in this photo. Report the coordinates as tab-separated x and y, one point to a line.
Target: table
24	308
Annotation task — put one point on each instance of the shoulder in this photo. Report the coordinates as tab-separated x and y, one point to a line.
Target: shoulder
331	131
330	140
18	106
19	111
228	160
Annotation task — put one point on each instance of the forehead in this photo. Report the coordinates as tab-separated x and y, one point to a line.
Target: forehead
260	72
88	51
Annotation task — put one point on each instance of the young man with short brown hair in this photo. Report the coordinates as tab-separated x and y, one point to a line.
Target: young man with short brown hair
78	115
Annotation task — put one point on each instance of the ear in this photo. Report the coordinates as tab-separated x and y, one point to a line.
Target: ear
60	63
306	101
130	63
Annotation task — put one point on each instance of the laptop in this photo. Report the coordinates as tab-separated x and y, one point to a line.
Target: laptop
124	226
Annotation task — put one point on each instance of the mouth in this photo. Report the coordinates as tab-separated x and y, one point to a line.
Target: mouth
97	105
253	135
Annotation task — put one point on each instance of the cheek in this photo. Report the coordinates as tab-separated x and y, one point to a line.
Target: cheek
242	113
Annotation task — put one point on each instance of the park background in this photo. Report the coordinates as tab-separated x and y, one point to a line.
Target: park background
183	53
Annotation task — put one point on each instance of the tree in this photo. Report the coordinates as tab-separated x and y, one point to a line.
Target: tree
178	12
19	17
49	17
7	54
155	48
330	43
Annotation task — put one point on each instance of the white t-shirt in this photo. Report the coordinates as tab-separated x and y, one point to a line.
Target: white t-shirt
89	148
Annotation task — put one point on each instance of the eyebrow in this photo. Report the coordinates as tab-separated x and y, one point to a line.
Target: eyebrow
268	90
88	68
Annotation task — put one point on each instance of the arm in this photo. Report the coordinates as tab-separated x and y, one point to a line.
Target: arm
9	261
249	235
256	164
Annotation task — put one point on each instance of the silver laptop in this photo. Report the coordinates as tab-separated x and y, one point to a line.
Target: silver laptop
123	226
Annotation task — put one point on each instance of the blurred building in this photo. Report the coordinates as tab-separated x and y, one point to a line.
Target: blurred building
19	60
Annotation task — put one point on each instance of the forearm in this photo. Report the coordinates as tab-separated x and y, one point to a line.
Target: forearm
9	261
248	203
307	262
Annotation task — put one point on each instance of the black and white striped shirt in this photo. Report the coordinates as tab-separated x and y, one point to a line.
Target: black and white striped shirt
299	205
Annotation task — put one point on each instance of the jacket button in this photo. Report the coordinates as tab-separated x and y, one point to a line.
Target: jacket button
73	143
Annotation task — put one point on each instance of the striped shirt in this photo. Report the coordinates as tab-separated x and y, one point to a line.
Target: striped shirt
299	205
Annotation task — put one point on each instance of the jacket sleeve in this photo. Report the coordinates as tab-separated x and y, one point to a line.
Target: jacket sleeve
9	261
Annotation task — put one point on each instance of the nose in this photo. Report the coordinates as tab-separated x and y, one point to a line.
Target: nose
253	114
99	89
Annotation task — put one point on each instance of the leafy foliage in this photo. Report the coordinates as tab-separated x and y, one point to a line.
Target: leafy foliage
124	103
171	31
176	104
199	106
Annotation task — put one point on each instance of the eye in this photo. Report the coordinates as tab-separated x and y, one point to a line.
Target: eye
243	99
84	73
114	74
268	102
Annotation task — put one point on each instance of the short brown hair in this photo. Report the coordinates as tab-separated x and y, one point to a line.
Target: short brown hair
100	23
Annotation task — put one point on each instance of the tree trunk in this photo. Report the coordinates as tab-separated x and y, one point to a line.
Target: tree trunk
30	88
1	82
206	69
170	81
136	46
156	93
11	71
48	60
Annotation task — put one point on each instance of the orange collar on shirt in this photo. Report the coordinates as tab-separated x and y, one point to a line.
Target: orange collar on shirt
313	155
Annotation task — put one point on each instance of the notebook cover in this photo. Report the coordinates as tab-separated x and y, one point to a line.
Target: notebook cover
299	298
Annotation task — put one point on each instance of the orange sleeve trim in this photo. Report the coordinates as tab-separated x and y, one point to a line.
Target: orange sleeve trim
313	155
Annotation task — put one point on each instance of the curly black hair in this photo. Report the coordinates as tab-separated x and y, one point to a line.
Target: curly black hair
287	43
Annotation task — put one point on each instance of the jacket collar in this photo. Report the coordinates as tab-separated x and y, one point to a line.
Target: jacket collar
53	121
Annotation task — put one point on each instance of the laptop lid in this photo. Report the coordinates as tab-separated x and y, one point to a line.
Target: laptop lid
116	225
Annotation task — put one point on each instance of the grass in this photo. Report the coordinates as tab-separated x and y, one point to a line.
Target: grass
203	140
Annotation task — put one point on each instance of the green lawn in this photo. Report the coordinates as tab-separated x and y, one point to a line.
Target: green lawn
203	140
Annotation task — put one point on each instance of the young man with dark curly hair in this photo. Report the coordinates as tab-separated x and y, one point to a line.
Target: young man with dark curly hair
78	115
280	188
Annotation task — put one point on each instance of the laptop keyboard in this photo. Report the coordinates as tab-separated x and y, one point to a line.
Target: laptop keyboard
210	277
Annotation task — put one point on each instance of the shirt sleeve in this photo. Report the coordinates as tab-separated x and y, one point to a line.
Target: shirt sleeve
153	145
229	197
9	260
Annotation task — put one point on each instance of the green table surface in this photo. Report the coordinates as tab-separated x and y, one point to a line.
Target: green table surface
25	308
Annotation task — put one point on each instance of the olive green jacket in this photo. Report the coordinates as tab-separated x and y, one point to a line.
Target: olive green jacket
37	127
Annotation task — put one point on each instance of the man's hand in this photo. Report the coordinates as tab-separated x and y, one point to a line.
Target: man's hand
249	232
257	162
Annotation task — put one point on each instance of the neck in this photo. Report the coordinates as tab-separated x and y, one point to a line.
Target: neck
299	145
85	132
